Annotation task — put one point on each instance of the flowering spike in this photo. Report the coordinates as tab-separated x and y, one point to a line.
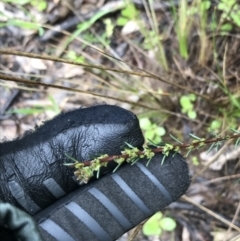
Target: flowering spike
85	170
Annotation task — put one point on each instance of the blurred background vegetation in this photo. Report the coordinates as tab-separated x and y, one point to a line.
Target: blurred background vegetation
176	64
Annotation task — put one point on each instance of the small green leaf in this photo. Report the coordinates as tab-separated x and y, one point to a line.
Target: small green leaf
192	114
160	131
149	134
185	102
215	125
195	161
109	27
192	97
145	124
129	12
151	227
157	216
157	139
122	21
41	5
184	111
226	27
167	224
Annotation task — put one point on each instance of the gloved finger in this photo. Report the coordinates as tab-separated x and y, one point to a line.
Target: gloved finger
104	210
17	224
32	173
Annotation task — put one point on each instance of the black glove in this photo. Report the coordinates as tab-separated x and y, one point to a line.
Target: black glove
34	178
16	224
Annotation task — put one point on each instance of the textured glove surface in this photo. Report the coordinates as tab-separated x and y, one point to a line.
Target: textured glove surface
104	210
16	224
32	173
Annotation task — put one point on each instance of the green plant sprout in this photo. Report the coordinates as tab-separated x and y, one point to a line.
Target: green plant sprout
151	130
186	16
215	125
85	170
157	224
195	161
128	13
109	27
41	5
87	24
105	38
186	102
152	40
73	56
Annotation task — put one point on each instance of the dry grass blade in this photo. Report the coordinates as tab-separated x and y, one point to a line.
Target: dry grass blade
211	213
233	220
220	179
92	66
136	231
213	159
25	81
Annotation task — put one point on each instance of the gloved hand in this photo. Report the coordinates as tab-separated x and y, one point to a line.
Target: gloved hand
34	179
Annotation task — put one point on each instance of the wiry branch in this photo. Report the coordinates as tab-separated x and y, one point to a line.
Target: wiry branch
85	170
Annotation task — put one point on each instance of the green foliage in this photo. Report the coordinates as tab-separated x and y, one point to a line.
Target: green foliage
38	109
231	10
23	24
157	224
128	13
195	161
152	40
215	125
109	27
187	15
41	5
73	56
107	34
88	24
186	102
182	29
202	6
151	130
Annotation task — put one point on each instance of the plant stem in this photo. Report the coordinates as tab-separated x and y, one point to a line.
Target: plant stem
166	148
